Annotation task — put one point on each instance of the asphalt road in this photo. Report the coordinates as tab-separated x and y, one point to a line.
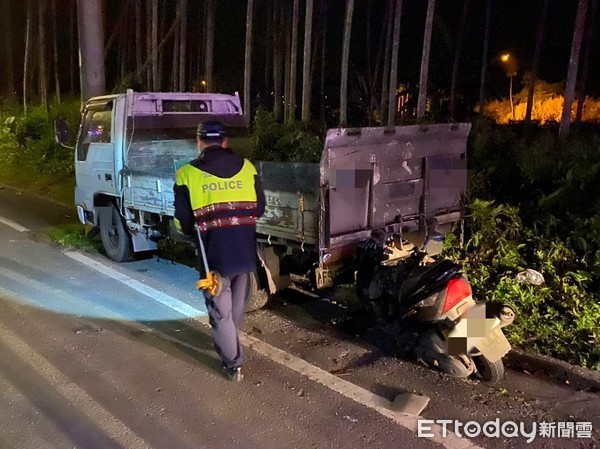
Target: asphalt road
99	355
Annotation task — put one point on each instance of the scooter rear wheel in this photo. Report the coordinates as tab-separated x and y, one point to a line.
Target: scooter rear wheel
488	371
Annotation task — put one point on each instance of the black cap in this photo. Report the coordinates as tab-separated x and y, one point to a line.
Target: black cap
211	131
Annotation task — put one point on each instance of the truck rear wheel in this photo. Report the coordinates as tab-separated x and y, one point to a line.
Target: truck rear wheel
256	298
115	238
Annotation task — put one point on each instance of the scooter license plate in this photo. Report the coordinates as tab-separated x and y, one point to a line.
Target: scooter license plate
494	346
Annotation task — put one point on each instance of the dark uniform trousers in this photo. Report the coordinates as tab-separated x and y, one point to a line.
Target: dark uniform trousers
226	314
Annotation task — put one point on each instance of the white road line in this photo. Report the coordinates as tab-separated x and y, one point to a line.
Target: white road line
73	393
169	301
12	224
347	389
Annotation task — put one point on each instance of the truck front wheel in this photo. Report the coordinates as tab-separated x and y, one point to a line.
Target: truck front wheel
115	237
256	298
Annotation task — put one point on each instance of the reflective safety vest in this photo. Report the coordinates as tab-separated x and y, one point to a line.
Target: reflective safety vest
220	202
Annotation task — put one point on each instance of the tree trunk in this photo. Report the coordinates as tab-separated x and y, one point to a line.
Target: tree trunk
138	35
457	52
536	58
42	55
294	61
589	40
565	120
391	118
323	11
154	45
149	54
385	75
345	59
9	50
306	80
160	49
183	46
165	40
423	80
175	65
210	43
117	28
484	58
72	37
248	63
28	26
288	58
279	50
374	78
55	52
269	48
91	43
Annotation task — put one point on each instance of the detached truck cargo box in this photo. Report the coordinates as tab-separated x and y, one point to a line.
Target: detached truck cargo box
404	181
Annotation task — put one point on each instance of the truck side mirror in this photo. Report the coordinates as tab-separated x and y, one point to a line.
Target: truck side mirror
61	132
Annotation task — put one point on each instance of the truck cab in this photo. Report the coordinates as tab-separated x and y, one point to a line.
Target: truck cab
127	151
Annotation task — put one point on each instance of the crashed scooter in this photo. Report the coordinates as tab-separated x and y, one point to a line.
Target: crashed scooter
427	306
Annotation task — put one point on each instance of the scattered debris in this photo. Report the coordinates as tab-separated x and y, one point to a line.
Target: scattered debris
349	418
410	404
530	277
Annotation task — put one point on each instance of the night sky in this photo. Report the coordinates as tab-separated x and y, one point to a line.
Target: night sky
514	28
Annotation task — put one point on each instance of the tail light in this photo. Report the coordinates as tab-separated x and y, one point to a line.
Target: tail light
457	290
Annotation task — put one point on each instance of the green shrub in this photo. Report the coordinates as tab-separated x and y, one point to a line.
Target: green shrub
283	142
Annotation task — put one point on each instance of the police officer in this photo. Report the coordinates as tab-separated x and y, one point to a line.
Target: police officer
221	193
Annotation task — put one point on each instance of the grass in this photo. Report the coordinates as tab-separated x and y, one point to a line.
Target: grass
73	236
56	187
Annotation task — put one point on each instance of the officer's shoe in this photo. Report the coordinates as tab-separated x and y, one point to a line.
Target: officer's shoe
233	374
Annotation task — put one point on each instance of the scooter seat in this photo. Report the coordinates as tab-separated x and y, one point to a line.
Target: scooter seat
432	280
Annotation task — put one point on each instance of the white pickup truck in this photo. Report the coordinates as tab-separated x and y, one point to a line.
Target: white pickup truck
408	181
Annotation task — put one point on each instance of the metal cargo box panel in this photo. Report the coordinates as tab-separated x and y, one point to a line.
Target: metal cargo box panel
291	191
375	177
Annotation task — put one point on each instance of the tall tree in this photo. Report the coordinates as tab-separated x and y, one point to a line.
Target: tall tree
149	55
28	26
210	44
42	55
182	44
306	78
385	78
91	45
374	73
457	52
9	50
248	62
323	14
288	58
72	39
565	120
55	51
175	64
423	79
279	51
393	79
484	58
589	39
294	61
154	44
536	58
138	35
345	59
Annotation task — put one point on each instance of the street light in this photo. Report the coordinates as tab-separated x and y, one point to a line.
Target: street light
510	66
203	82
